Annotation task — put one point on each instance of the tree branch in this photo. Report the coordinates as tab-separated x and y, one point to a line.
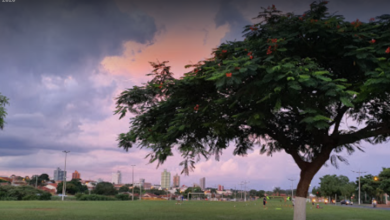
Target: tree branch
364	133
337	119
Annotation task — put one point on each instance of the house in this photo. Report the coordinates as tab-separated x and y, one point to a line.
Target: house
51	187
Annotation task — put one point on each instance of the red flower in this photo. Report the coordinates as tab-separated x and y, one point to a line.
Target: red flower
160	85
224	51
250	53
338	26
229	75
388	50
373	41
274	40
251	57
196	108
372	19
303	15
269	51
237	68
273	6
353	23
300	18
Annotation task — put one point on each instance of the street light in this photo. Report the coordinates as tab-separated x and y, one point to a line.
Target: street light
64	179
292	184
359	181
133	183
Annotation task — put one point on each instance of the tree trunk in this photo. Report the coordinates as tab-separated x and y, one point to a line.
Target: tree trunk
308	170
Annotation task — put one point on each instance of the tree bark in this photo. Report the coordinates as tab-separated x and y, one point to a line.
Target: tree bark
308	170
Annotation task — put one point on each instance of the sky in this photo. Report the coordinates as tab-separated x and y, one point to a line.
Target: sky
63	63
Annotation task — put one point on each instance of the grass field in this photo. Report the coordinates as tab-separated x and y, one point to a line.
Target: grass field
167	210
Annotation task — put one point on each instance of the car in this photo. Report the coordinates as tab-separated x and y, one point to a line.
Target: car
346	202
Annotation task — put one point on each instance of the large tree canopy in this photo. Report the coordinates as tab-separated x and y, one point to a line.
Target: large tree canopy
288	86
3	112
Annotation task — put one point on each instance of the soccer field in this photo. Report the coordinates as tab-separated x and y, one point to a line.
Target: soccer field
167	210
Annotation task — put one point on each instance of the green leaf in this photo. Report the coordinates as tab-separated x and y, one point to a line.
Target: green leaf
282	49
321	117
304	76
352	92
323	78
182	127
243	70
290	78
278	104
381	58
295	85
346	102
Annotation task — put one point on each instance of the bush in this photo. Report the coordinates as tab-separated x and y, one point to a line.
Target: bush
23	193
95	197
122	197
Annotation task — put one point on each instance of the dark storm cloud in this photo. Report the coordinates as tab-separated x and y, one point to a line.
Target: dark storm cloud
50	54
228	13
56	37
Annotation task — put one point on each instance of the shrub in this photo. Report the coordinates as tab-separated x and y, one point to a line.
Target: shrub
122	197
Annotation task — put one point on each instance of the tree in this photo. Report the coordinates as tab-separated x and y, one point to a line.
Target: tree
3	112
384	178
253	193
125	188
369	186
287	87
316	191
72	187
105	188
260	193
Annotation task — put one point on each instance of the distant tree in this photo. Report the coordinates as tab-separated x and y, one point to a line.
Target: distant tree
252	192
316	191
260	193
72	187
331	185
276	191
384	180
368	186
3	112
105	188
158	192
125	188
44	177
288	87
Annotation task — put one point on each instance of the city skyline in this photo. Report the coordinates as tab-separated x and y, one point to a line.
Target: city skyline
62	84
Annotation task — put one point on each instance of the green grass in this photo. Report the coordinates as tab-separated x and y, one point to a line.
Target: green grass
167	210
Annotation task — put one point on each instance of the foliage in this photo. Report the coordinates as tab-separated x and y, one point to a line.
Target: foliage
105	188
3	102
316	191
22	193
369	186
156	192
39	180
287	87
331	185
122	196
125	188
384	180
72	187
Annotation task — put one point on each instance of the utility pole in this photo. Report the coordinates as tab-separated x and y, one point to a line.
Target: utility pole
132	195
244	183
292	191
64	178
241	189
36	181
359	172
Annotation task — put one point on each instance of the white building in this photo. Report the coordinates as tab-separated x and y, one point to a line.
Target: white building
203	183
117	177
165	180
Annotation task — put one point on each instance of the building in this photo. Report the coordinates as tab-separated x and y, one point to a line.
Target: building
141	182
220	188
176	181
59	174
165	179
147	186
76	175
202	183
117	177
